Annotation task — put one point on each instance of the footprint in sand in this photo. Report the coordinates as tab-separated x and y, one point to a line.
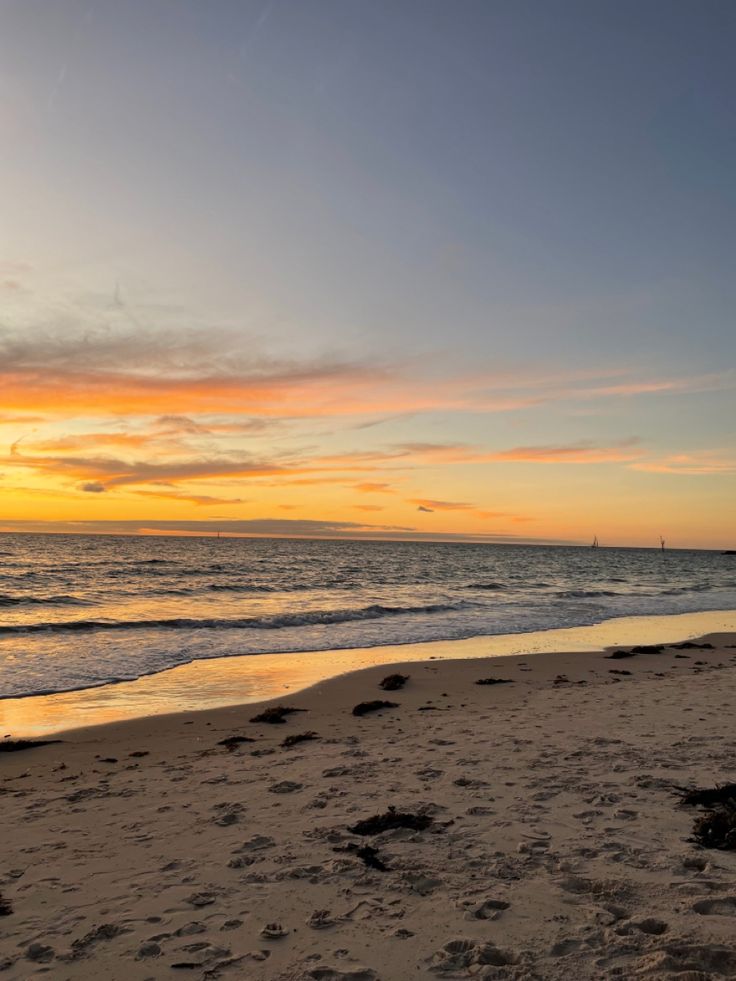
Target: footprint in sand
709	959
459	955
488	909
40	953
724	906
332	974
285	787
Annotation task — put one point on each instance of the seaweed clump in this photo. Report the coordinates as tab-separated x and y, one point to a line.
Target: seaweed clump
691	645
647	649
367	854
710	796
717	827
5	908
494	681
16	745
393	682
299	737
618	655
364	707
231	742
391	819
276	714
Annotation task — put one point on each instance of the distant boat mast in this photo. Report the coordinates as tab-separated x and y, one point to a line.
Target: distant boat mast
661	542
595	542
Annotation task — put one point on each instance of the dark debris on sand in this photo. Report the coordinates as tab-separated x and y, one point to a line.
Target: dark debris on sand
300	737
5	908
717	827
391	819
618	655
691	645
276	714
393	682
16	745
364	707
494	681
709	796
647	649
367	853
232	742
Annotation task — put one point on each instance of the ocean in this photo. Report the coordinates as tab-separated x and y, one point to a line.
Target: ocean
82	611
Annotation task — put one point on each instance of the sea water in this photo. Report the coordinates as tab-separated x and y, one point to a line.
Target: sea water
81	611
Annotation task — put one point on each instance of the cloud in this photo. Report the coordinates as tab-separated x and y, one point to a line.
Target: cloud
622	451
201	500
426	510
685	464
114	472
93	488
369	507
425	504
373	488
19	420
265	527
183	372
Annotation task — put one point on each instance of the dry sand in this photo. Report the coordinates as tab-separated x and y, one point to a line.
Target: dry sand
557	847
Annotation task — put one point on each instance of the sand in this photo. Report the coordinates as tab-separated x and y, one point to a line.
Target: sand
556	849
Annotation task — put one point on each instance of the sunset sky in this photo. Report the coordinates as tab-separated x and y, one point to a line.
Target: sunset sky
385	268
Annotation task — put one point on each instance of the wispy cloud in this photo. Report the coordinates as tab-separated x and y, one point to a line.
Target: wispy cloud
115	472
622	451
425	504
370	487
19	420
183	373
686	464
200	500
266	527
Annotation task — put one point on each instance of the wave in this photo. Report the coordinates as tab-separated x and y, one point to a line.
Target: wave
700	587
10	599
276	622
234	587
490	586
585	593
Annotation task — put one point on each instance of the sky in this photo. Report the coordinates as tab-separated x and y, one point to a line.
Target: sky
369	268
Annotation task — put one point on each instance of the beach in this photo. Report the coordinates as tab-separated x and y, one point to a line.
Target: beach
545	839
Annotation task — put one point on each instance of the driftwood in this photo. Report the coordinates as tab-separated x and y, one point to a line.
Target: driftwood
494	681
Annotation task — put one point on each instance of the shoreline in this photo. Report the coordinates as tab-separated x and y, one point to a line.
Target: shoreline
556	847
208	684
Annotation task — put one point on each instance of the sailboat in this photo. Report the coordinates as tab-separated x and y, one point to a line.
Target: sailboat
661	542
595	542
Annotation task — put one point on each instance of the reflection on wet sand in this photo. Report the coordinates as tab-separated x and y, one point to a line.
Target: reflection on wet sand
254	678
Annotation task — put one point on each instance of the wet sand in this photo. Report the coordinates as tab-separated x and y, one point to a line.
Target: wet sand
554	845
237	680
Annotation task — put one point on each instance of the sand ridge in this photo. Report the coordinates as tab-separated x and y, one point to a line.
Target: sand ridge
553	847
